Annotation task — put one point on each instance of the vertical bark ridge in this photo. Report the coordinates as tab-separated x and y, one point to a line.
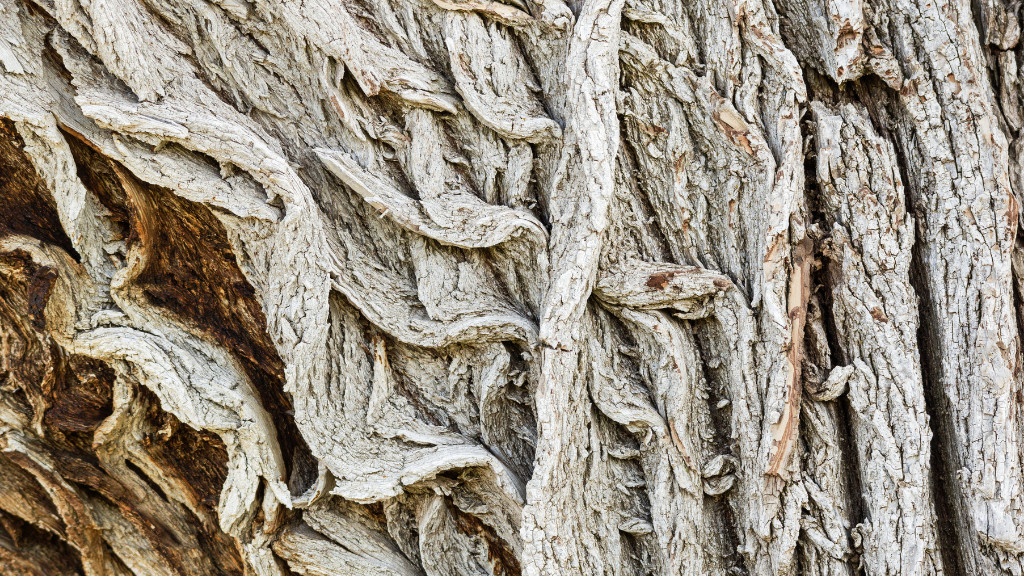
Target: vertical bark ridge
512	287
985	175
578	208
870	285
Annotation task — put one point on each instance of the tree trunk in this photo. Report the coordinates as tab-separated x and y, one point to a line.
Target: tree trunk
463	287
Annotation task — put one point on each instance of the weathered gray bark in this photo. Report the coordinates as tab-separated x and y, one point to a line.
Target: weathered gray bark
457	287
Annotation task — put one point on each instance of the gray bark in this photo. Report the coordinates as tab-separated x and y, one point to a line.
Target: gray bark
464	287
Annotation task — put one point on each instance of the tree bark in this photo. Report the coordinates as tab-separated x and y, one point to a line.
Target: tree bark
455	287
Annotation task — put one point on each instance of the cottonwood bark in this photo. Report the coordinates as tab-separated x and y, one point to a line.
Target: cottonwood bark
503	287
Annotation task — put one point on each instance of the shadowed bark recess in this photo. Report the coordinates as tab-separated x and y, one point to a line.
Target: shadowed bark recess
29	208
192	273
511	288
61	482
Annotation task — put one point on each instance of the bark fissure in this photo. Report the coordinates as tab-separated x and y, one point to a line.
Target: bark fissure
511	287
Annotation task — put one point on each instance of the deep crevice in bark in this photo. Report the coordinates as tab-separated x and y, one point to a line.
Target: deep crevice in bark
26	550
28	206
709	111
945	480
822	285
878	99
722	441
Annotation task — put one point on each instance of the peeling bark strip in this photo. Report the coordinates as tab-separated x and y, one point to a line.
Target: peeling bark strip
511	287
784	433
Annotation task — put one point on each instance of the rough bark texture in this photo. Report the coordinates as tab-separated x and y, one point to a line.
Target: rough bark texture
511	287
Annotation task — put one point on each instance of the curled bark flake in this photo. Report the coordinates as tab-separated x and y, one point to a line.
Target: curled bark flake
654	285
475	224
495	81
498	11
373	63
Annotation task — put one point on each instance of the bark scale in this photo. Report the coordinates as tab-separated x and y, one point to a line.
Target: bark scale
449	287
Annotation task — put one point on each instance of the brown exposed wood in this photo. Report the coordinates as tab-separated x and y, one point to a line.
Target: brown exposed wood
191	272
511	288
197	457
502	559
28	206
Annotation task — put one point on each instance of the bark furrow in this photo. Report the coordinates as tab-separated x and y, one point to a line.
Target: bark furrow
504	287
